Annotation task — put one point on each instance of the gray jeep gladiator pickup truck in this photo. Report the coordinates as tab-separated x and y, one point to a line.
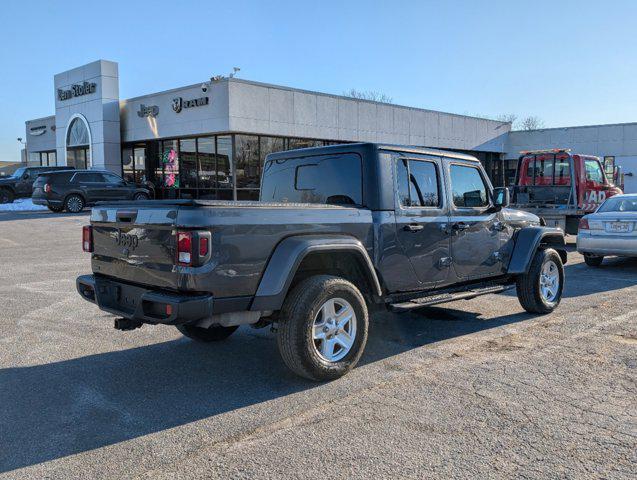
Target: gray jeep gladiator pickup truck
339	231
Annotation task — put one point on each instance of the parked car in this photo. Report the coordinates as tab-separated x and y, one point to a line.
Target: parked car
338	231
74	190
20	184
611	230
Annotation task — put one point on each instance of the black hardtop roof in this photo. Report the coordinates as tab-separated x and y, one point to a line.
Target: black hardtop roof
368	147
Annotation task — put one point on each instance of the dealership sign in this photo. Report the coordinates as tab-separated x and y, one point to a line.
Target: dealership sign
77	90
178	103
40	130
148	111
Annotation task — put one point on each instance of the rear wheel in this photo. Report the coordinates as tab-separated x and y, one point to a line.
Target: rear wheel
323	328
210	334
55	209
593	260
6	196
540	289
74	204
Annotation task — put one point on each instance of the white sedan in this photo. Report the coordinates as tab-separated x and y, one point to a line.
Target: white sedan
611	230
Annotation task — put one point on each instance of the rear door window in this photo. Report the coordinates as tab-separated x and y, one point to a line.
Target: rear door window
418	183
468	187
89	177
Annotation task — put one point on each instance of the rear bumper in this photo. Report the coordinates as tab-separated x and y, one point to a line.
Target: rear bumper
607	245
147	306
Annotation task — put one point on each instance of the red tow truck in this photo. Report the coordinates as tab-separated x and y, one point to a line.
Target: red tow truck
561	187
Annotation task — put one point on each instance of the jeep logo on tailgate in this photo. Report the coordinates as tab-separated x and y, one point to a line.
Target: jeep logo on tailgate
127	240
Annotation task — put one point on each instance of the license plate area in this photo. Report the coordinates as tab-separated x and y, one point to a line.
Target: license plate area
618	227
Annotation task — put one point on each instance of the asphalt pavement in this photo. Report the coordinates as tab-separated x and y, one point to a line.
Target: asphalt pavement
472	389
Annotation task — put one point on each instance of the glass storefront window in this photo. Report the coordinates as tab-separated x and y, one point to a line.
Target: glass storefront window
128	166
207	155
34	158
224	169
269	145
170	164
188	163
303	143
246	161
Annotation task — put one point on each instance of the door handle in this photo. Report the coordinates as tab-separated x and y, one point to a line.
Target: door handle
413	227
460	226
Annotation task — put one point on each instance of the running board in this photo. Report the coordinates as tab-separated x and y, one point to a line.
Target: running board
447	297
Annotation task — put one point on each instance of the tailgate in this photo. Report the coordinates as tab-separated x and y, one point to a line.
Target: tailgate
136	243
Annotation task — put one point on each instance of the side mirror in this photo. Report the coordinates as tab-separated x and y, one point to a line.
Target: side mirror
25	176
501	197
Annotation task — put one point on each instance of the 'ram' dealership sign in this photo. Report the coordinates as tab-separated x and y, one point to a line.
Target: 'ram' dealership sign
178	103
77	90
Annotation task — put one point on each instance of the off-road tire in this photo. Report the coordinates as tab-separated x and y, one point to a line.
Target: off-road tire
71	206
55	209
211	334
140	196
593	260
296	322
528	284
6	195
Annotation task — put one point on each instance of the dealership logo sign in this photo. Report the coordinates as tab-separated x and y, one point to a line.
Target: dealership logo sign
37	130
148	111
77	90
178	103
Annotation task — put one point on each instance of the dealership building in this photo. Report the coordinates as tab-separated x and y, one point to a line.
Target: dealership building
209	140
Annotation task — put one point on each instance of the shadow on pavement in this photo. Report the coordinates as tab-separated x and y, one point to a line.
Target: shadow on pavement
614	274
54	410
34	215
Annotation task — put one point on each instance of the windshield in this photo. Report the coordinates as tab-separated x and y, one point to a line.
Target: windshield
619	204
18	173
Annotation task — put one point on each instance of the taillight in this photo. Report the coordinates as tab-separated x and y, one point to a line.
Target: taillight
193	248
47	188
87	238
184	248
203	246
583	224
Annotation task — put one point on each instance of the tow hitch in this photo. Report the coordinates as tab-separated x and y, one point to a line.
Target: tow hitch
127	324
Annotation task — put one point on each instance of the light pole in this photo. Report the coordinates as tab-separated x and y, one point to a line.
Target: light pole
26	153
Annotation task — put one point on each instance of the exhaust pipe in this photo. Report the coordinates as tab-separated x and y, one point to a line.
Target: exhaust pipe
125	324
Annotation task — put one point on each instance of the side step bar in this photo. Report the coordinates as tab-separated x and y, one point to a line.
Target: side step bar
435	299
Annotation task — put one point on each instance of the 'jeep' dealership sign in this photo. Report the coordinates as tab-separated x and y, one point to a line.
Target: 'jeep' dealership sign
77	90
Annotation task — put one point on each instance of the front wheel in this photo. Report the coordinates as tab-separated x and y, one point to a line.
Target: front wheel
74	204
323	328
540	289
210	334
140	196
593	260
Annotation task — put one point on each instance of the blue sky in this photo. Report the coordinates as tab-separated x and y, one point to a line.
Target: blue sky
567	62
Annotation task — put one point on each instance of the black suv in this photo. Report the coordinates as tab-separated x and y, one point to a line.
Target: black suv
74	190
20	184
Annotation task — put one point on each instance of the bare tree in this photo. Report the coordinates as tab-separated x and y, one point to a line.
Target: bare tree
531	123
507	118
368	95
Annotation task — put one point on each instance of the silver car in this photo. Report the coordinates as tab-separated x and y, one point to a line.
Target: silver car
611	230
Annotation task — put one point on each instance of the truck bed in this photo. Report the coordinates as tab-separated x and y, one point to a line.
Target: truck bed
243	235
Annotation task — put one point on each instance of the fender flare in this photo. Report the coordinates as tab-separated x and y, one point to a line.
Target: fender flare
288	255
528	240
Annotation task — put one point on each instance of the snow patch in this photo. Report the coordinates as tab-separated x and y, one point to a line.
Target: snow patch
21	205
